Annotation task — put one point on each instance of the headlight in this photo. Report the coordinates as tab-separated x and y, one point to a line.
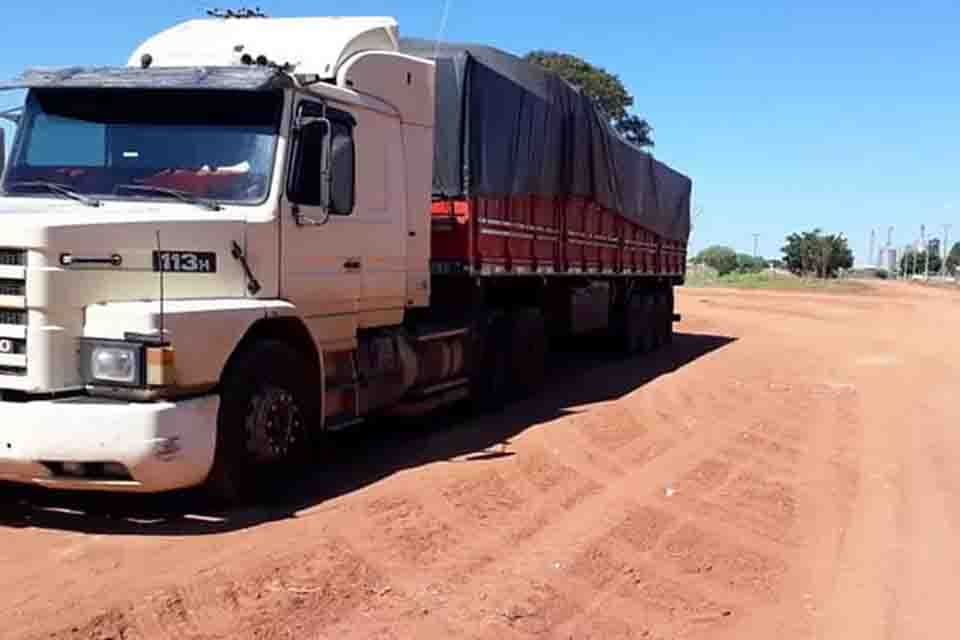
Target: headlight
116	364
112	362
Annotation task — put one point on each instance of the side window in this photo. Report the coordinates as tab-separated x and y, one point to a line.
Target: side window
342	169
324	170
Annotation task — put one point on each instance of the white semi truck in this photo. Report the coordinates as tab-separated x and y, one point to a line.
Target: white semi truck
235	243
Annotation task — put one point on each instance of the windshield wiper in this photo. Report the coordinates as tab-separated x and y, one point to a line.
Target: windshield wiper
185	196
58	188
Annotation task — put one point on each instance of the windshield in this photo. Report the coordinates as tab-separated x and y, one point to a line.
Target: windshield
122	143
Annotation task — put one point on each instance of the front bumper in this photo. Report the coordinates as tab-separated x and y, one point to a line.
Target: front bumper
164	446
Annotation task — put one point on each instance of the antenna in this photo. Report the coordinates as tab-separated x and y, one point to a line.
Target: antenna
445	13
160	261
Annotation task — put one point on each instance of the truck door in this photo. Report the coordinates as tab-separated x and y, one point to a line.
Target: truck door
321	244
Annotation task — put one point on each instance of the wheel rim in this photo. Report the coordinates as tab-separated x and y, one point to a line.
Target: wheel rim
273	425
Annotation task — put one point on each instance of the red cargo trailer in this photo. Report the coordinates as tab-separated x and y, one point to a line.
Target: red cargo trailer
547	236
545	221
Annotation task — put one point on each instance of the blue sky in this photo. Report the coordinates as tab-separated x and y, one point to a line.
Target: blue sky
787	116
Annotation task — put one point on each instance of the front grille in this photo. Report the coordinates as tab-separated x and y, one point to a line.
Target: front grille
13	349
13	316
13	257
12	287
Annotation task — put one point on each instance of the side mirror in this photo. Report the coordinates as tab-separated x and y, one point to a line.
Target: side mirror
310	179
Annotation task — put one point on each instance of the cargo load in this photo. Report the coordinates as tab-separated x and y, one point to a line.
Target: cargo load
505	128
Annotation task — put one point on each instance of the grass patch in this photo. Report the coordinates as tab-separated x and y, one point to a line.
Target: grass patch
770	280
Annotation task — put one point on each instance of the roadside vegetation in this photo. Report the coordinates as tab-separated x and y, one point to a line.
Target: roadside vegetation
768	279
811	260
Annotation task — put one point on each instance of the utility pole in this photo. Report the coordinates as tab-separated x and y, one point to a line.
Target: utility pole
896	261
872	256
923	244
945	251
756	238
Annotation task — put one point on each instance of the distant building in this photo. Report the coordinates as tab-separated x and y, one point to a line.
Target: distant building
888	259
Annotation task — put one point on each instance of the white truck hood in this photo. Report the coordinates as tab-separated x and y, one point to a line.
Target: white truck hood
49	228
32	214
56	296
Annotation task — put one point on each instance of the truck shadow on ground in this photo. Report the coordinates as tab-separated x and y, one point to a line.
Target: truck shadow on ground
581	372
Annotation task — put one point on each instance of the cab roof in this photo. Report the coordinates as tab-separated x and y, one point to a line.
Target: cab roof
311	45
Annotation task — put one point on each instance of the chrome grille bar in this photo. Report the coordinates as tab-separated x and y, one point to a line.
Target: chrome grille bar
12	287
13	257
13	316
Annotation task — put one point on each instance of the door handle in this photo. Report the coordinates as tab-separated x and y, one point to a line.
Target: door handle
351	264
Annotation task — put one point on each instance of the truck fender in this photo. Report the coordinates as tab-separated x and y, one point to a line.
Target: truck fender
206	334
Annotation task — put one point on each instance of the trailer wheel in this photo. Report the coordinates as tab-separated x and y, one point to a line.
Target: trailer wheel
263	429
490	376
630	327
669	302
528	352
648	320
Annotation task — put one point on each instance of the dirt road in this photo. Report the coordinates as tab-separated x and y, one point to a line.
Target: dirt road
787	469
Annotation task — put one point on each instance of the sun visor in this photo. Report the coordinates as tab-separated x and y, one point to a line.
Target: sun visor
246	78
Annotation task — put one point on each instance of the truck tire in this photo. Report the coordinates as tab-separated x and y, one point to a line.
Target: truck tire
669	302
655	321
647	318
527	352
490	377
630	327
263	428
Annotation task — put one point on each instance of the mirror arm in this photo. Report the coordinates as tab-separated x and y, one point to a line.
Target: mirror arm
298	127
306	221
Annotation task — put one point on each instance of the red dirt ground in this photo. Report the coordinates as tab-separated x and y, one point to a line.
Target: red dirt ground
786	469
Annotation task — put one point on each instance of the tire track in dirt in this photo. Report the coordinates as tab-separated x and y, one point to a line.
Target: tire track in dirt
691	550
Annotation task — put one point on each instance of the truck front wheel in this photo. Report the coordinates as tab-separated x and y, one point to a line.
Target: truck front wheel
264	423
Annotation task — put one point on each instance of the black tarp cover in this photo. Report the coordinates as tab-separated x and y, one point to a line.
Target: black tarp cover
505	127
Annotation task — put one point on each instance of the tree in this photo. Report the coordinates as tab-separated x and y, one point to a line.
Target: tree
953	259
915	262
604	88
748	264
723	259
636	130
816	253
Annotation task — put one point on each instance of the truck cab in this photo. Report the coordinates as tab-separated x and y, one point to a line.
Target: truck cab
239	202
